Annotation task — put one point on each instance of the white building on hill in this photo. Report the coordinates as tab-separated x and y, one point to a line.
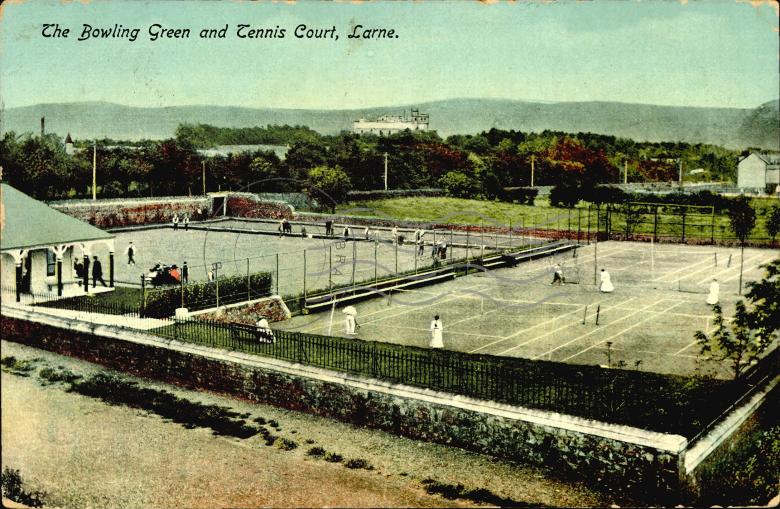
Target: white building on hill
759	172
385	125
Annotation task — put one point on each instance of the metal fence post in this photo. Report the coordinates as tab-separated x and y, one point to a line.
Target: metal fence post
354	255
579	225
655	224
248	284
376	279
330	267
277	273
304	274
396	256
683	226
510	233
712	226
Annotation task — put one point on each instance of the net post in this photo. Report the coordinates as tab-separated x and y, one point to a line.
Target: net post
510	233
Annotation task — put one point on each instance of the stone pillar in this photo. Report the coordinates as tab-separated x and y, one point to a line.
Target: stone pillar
86	272
111	269
18	281
59	276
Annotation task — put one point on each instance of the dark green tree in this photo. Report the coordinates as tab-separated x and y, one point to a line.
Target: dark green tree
773	222
329	184
742	219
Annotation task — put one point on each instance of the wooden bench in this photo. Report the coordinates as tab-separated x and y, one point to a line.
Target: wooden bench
240	331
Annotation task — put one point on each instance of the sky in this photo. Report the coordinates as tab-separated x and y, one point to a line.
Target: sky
716	53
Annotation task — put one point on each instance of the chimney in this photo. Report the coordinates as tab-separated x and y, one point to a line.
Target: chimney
43	128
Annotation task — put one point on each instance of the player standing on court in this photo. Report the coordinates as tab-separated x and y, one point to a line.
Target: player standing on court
437	336
606	282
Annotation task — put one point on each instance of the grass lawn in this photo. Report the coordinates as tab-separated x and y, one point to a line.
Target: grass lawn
543	215
122	299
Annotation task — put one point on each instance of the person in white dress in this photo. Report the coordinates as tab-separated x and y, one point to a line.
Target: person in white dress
713	296
437	329
350	324
394	234
175	221
265	330
606	282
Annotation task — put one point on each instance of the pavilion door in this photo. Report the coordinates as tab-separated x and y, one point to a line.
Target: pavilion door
27	273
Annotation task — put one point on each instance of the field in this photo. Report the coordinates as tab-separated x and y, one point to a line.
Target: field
543	216
647	323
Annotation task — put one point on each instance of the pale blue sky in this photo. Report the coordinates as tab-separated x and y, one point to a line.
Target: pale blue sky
713	53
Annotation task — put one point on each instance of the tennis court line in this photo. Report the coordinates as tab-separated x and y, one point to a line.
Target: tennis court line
687	267
536	338
749	269
619	333
624	317
523	330
733	267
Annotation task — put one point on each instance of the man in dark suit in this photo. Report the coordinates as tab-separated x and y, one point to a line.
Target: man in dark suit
97	272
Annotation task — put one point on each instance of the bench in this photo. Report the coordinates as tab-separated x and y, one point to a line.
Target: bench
240	331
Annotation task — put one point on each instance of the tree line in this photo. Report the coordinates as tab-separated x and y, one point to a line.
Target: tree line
469	166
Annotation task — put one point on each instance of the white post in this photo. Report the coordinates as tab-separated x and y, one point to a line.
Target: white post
385	171
94	171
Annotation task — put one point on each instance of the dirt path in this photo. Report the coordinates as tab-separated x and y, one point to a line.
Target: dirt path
85	453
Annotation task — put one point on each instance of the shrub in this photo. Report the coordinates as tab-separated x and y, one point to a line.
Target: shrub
565	196
63	375
286	445
333	457
13	488
459	185
521	195
163	302
359	463
316	451
393	193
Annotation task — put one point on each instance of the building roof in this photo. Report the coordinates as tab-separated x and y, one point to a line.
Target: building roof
771	159
27	223
68	139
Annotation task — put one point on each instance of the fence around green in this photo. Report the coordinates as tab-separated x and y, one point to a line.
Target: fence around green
663	403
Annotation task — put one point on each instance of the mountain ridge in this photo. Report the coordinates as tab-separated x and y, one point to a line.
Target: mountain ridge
730	127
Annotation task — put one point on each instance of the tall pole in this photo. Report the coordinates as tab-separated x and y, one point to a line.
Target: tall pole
203	177
94	171
680	177
625	171
533	161
385	171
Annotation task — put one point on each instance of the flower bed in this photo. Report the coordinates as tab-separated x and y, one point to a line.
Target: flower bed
117	213
248	205
271	308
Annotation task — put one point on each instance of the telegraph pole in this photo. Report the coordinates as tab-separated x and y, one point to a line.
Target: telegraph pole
625	171
203	178
533	160
385	171
94	170
679	164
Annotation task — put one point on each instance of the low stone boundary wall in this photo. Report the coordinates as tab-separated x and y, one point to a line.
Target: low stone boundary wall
648	464
130	212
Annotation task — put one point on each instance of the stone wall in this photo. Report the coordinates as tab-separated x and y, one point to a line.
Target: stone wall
643	464
130	212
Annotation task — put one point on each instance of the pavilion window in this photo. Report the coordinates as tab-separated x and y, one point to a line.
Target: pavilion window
51	263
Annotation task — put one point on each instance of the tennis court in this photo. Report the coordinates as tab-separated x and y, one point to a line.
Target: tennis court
647	323
297	263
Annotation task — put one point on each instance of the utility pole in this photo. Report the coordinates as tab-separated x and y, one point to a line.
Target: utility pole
94	170
385	171
625	171
203	178
679	164
533	161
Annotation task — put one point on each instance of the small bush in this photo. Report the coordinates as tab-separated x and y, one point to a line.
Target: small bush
359	463
286	445
260	420
316	451
13	488
309	441
273	423
333	457
21	367
53	376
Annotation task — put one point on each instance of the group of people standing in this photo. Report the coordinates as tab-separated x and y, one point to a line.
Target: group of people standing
82	270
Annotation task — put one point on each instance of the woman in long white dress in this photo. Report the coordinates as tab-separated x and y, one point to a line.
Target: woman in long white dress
713	296
606	282
437	329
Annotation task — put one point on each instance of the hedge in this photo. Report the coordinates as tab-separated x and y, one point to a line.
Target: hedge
160	303
393	193
520	195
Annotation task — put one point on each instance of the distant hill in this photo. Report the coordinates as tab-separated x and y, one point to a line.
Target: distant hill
730	127
761	128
